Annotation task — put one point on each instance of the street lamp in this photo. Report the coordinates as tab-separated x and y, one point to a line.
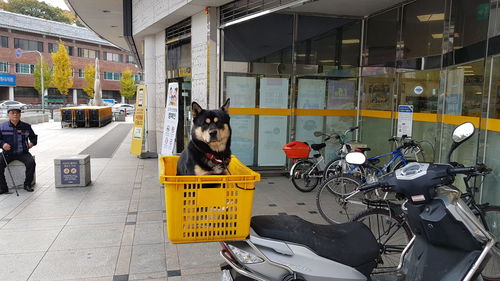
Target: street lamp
41	74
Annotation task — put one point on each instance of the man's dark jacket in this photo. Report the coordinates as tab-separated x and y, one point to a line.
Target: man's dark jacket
17	137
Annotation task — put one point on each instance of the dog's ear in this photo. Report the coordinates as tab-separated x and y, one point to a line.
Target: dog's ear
196	109
225	106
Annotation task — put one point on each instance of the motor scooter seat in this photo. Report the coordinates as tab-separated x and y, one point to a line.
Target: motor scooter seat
318	146
351	243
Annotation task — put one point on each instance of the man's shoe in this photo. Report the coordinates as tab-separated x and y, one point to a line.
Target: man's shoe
28	188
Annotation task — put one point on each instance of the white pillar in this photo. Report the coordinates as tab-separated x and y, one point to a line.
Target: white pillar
75	96
123	99
150	81
203	46
11	93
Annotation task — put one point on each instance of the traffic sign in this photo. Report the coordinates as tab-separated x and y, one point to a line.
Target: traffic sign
18	53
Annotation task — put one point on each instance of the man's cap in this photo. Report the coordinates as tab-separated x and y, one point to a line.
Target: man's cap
13	108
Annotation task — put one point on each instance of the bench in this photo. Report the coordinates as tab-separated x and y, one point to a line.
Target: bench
18	171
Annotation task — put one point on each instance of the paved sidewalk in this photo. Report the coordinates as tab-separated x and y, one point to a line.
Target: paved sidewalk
113	229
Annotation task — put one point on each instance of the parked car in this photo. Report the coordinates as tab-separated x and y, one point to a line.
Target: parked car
11	103
122	107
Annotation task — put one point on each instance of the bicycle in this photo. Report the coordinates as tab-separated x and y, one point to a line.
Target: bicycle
306	173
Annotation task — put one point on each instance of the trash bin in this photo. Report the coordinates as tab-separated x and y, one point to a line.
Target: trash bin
208	208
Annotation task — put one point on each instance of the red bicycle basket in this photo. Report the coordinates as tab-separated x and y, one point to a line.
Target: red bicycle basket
296	149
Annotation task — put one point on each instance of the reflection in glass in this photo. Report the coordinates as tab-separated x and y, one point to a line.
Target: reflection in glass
423	23
381	39
464	89
420	89
469	22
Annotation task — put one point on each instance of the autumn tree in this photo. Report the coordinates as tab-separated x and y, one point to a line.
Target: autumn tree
47	77
89	74
127	84
62	77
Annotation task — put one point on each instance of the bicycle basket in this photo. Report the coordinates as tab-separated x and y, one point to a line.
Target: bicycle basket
296	149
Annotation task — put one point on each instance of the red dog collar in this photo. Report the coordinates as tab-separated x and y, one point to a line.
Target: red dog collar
213	158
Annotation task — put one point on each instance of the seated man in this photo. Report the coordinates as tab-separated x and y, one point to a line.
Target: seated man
16	138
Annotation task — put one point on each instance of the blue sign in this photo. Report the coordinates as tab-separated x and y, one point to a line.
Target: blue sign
8	79
405	108
18	52
70	172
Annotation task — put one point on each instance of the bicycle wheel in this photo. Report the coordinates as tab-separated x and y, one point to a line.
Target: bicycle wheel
340	166
304	177
391	232
338	199
491	215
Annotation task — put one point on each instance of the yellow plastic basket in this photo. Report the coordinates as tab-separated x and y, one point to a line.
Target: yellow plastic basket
208	208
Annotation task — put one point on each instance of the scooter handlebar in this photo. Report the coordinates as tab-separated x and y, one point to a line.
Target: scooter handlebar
479	168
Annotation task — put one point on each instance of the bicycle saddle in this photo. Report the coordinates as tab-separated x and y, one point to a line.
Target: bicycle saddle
318	146
363	149
351	243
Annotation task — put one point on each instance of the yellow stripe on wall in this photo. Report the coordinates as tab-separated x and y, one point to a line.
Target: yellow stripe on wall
492	123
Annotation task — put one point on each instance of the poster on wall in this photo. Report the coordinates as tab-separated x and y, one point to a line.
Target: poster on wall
242	137
171	119
139	121
272	136
455	92
341	94
242	92
405	120
311	94
273	93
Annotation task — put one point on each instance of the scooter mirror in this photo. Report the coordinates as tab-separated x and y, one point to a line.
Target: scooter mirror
463	132
318	134
356	158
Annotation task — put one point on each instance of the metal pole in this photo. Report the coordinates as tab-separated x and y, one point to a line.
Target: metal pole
43	88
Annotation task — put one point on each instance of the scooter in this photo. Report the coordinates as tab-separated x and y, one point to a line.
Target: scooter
450	243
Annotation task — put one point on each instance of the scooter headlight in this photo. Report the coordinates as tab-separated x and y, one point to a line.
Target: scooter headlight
244	256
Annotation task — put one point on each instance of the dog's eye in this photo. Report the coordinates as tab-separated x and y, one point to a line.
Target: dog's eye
216	120
207	120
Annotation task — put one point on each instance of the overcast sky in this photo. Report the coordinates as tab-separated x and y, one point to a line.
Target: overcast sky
56	3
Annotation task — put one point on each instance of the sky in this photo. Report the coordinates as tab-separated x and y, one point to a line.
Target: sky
56	3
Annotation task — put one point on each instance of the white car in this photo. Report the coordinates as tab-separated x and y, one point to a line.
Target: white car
11	103
122	107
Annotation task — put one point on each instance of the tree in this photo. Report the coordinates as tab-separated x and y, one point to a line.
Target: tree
127	84
47	77
37	9
89	74
62	77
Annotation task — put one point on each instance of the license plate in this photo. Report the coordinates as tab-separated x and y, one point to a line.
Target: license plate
226	275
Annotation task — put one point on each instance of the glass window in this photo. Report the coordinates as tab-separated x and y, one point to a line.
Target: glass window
274	44
28	45
469	22
420	89
116	76
113	57
130	59
464	89
328	41
4	67
86	53
81	73
381	39
4	41
53	47
70	50
178	59
423	24
24	68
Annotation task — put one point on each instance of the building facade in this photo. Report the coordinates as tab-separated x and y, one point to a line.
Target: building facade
293	67
34	34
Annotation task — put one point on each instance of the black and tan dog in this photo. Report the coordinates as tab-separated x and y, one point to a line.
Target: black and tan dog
208	152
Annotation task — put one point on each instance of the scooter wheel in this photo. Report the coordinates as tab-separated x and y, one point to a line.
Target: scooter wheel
292	278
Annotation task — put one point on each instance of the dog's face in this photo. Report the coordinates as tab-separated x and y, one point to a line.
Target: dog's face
211	126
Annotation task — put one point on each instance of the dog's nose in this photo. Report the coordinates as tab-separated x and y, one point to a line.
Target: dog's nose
213	133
